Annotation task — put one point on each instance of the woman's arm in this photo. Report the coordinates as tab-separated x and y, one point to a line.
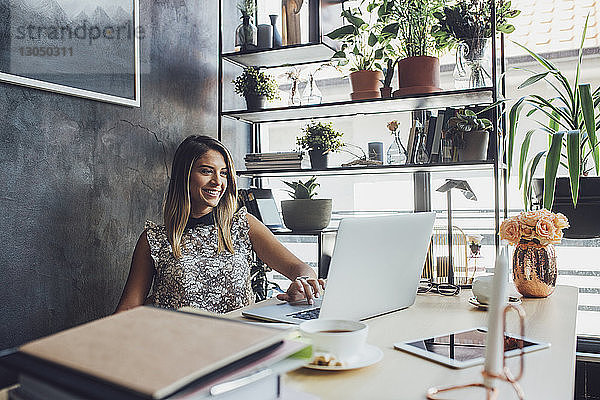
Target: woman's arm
276	256
140	276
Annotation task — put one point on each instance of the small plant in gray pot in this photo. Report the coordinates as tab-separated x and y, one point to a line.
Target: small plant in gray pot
319	139
469	135
303	212
256	87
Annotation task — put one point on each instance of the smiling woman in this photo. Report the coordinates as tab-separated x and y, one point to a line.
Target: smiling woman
201	255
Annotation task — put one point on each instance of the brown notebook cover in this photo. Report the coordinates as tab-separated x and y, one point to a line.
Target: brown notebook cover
153	351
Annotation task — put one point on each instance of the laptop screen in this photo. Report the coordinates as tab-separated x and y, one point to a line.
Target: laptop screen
269	213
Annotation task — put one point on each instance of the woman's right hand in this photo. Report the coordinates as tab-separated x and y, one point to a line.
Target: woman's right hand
303	288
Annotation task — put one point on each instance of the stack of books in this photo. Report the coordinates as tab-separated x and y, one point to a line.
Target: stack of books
152	353
279	160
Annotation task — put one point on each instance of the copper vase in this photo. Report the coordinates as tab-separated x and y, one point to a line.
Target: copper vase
534	269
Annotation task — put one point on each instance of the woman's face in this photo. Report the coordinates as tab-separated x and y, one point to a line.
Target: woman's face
208	182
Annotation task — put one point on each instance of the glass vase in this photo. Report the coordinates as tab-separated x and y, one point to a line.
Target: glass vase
311	93
396	153
473	64
246	35
534	269
294	94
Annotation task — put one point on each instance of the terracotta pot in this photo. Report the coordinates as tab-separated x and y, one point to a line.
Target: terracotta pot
476	144
365	84
418	75
306	214
534	269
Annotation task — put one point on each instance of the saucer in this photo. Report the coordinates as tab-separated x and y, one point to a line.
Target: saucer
369	355
473	301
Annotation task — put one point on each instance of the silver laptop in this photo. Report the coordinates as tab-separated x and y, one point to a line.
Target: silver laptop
375	269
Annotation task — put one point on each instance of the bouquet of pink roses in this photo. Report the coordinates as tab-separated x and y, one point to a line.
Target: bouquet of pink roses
539	226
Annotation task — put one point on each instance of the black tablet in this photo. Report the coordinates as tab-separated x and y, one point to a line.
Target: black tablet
464	348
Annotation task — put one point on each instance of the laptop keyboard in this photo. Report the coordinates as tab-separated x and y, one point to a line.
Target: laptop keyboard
307	314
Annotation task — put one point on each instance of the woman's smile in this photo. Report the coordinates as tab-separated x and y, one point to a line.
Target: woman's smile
212	193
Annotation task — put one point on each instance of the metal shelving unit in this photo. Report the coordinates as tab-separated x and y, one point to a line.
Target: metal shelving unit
374	170
319	52
427	101
289	55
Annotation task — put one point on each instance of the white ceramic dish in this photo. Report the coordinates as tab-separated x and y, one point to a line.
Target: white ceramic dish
369	355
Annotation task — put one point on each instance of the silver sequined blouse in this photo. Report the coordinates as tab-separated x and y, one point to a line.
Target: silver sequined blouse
202	278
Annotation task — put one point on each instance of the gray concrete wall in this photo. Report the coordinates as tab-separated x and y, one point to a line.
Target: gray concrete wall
78	177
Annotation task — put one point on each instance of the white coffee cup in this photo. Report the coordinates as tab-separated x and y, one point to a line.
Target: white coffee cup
341	338
482	288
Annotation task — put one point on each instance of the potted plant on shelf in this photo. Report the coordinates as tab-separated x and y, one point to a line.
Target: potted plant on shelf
319	139
256	87
303	212
390	45
419	70
467	25
570	121
362	51
469	135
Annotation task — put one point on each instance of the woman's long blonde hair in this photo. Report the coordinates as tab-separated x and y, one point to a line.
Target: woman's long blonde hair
177	204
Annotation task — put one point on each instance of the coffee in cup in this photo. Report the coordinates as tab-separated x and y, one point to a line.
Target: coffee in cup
341	338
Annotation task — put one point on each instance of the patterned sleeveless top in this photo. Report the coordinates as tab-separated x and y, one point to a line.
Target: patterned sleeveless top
203	278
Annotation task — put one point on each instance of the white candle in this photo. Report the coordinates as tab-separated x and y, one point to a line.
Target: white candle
494	349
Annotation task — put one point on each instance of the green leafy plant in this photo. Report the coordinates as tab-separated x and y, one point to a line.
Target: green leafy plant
303	190
470	19
463	123
320	136
412	21
569	119
246	7
360	45
253	82
388	41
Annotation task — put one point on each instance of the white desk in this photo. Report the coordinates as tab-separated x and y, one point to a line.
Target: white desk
549	373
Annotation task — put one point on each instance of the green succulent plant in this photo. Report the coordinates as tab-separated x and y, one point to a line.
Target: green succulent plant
303	190
253	81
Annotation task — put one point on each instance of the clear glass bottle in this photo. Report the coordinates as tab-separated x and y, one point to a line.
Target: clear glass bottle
396	153
311	93
246	35
447	150
421	156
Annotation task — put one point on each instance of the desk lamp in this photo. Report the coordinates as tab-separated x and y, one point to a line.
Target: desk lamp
466	190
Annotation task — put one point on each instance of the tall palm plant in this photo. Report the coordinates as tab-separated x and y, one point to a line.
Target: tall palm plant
570	120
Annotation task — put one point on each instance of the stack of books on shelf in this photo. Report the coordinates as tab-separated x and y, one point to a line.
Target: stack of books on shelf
152	353
274	161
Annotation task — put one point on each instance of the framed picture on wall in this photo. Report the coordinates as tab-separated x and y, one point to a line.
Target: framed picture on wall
85	48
